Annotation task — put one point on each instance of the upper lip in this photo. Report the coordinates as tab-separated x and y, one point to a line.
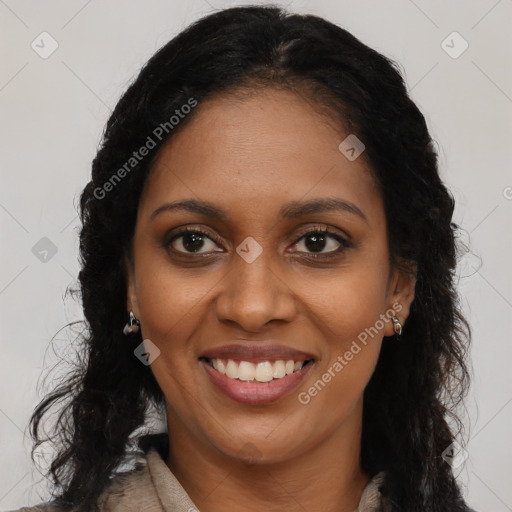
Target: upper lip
261	351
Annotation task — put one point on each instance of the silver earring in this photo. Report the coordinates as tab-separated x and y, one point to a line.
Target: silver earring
132	326
397	326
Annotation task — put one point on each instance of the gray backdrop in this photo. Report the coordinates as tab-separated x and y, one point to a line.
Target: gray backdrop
65	64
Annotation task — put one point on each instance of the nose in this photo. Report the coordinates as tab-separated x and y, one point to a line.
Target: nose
254	294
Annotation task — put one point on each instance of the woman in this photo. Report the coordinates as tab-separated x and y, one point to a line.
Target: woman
268	254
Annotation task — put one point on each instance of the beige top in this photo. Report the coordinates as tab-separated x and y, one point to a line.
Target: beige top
152	487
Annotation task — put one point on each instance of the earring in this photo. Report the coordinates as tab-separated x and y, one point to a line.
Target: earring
397	326
132	326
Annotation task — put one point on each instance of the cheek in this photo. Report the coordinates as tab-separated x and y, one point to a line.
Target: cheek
345	302
348	310
170	302
349	319
170	298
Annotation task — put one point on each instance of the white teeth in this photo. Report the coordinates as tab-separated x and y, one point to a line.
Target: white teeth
246	370
219	365
264	371
232	370
279	370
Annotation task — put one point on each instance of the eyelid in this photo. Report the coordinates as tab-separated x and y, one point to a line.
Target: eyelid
325	230
343	240
168	239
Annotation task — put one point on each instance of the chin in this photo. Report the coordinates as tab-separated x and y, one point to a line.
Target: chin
259	452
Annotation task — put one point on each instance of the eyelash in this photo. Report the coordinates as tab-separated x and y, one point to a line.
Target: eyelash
316	230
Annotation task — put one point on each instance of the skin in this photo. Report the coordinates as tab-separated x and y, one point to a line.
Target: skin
250	156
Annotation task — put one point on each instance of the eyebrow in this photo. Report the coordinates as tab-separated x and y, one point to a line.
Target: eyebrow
291	210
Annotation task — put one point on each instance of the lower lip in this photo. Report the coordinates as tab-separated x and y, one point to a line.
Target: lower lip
253	392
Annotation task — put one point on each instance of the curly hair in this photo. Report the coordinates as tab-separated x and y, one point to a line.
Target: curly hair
419	380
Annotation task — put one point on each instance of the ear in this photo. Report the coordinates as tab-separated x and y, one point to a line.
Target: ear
131	293
401	294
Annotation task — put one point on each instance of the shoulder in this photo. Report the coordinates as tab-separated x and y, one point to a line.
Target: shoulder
371	497
126	491
42	507
132	490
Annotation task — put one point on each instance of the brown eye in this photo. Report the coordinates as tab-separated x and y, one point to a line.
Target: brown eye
322	242
192	241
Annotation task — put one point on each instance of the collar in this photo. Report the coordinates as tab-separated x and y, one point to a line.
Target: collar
152	487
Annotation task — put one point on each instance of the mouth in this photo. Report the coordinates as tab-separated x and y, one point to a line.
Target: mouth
260	382
260	371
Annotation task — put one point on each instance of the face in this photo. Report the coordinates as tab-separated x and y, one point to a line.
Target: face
267	271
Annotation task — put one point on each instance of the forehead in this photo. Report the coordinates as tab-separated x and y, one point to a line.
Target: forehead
258	152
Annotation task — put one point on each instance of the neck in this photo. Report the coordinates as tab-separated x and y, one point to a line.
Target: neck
327	477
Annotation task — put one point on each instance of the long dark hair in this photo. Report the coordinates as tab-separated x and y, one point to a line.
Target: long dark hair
419	381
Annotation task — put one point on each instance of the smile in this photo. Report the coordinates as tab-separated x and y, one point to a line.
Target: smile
256	383
263	371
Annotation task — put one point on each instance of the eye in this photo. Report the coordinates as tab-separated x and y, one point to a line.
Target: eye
320	241
320	238
191	241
